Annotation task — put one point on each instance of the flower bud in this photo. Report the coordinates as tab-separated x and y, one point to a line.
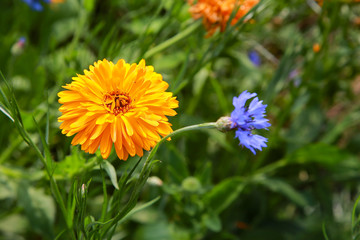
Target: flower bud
83	190
191	184
18	47
155	181
224	124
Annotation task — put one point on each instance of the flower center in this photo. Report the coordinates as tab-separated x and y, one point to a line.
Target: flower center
117	102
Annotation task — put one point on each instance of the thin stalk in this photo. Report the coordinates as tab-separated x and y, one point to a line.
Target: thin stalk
145	171
57	193
181	130
171	41
105	202
9	150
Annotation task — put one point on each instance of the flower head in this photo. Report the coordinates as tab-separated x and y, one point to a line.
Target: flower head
216	13
254	57
121	104
316	47
246	118
36	5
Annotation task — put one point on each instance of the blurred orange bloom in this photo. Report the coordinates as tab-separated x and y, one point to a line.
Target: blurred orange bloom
316	47
117	104
216	13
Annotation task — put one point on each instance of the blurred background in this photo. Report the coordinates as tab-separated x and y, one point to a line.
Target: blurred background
303	61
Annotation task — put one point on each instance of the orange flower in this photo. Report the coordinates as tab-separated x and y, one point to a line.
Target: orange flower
216	13
316	47
320	2
117	103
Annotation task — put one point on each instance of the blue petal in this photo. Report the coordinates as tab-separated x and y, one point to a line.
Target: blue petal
254	58
256	107
260	123
240	116
240	101
37	6
251	141
34	4
244	119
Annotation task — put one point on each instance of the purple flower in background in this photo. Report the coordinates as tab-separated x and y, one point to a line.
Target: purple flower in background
254	58
246	118
19	46
295	77
21	42
35	4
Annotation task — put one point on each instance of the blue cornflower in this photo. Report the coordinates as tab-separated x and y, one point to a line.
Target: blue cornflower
254	58
35	4
246	118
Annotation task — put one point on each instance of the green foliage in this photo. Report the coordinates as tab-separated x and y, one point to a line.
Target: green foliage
304	185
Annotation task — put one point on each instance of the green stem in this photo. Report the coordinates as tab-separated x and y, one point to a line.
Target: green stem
146	170
178	37
105	202
16	116
184	129
181	130
55	187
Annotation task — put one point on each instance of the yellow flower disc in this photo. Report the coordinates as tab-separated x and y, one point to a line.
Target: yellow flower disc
121	104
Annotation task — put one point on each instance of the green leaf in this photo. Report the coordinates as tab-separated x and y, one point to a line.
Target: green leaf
305	128
320	153
60	234
64	28
110	170
223	194
139	208
5	111
10	102
39	209
176	165
324	231
212	221
352	119
205	174
355	219
71	165
45	146
198	85
200	80
89	5
156	231
277	185
7	186
14	223
222	99
169	61
286	64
